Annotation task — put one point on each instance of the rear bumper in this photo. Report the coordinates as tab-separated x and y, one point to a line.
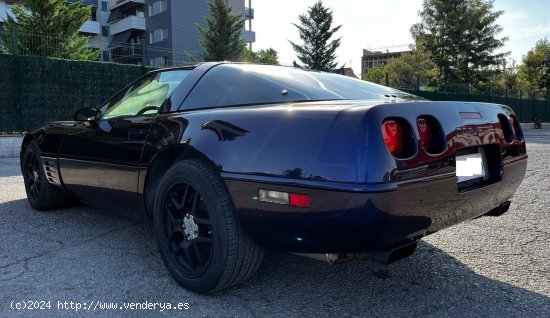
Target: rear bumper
357	218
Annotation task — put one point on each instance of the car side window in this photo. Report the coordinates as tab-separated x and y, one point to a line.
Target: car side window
145	96
237	86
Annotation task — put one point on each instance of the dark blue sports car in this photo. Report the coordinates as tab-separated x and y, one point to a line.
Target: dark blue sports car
230	159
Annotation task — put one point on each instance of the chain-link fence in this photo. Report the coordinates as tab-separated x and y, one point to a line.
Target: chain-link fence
148	55
139	53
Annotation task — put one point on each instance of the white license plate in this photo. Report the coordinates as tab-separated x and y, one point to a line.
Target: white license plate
470	167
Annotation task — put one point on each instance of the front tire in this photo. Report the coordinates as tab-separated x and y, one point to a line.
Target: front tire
41	194
199	238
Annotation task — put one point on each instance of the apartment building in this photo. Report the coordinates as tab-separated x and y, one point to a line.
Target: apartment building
374	59
168	28
119	28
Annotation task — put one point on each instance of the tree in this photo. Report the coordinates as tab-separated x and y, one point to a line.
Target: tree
461	36
222	36
268	56
315	31
50	29
376	75
534	73
412	69
504	80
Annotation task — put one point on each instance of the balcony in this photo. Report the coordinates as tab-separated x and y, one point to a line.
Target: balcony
248	13
92	3
129	23
248	36
126	3
90	27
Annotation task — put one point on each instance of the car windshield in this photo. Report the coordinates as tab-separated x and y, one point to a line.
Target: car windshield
248	84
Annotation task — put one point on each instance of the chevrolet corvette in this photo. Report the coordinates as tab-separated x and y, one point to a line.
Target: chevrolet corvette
227	160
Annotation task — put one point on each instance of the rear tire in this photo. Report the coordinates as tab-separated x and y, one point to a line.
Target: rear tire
41	194
200	240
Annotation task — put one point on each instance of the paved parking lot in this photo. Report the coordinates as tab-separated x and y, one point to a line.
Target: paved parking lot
490	267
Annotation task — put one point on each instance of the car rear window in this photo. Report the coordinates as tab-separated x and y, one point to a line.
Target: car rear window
245	84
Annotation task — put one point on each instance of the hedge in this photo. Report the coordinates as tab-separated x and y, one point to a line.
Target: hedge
35	89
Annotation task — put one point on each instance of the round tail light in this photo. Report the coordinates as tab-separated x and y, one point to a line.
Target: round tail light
425	133
393	136
430	134
516	127
506	127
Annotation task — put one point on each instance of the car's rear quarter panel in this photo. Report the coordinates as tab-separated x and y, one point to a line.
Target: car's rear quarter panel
271	141
364	199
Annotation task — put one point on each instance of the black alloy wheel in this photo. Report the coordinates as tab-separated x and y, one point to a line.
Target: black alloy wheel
40	193
33	179
188	229
200	239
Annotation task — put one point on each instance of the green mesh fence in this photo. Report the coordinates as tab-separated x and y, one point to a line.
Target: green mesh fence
526	107
35	90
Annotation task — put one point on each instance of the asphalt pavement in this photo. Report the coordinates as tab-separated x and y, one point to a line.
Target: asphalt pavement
81	260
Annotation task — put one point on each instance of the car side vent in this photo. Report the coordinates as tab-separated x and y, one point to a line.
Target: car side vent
431	136
50	170
506	128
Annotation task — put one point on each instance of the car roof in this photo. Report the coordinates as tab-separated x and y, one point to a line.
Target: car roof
212	64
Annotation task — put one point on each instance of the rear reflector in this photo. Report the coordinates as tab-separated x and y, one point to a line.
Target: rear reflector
285	198
393	136
301	200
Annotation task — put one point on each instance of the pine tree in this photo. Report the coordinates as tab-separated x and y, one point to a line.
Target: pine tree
50	29
461	36
315	31
222	36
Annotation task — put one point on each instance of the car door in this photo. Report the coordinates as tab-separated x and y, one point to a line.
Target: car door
99	161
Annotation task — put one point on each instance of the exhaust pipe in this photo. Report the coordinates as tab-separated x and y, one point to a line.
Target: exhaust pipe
394	253
386	256
503	208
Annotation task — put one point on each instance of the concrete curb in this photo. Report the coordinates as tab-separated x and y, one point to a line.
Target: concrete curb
532	126
10	146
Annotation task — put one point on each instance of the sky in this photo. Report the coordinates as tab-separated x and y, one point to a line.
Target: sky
381	25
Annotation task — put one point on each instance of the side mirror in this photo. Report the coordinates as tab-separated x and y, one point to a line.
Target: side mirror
88	114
